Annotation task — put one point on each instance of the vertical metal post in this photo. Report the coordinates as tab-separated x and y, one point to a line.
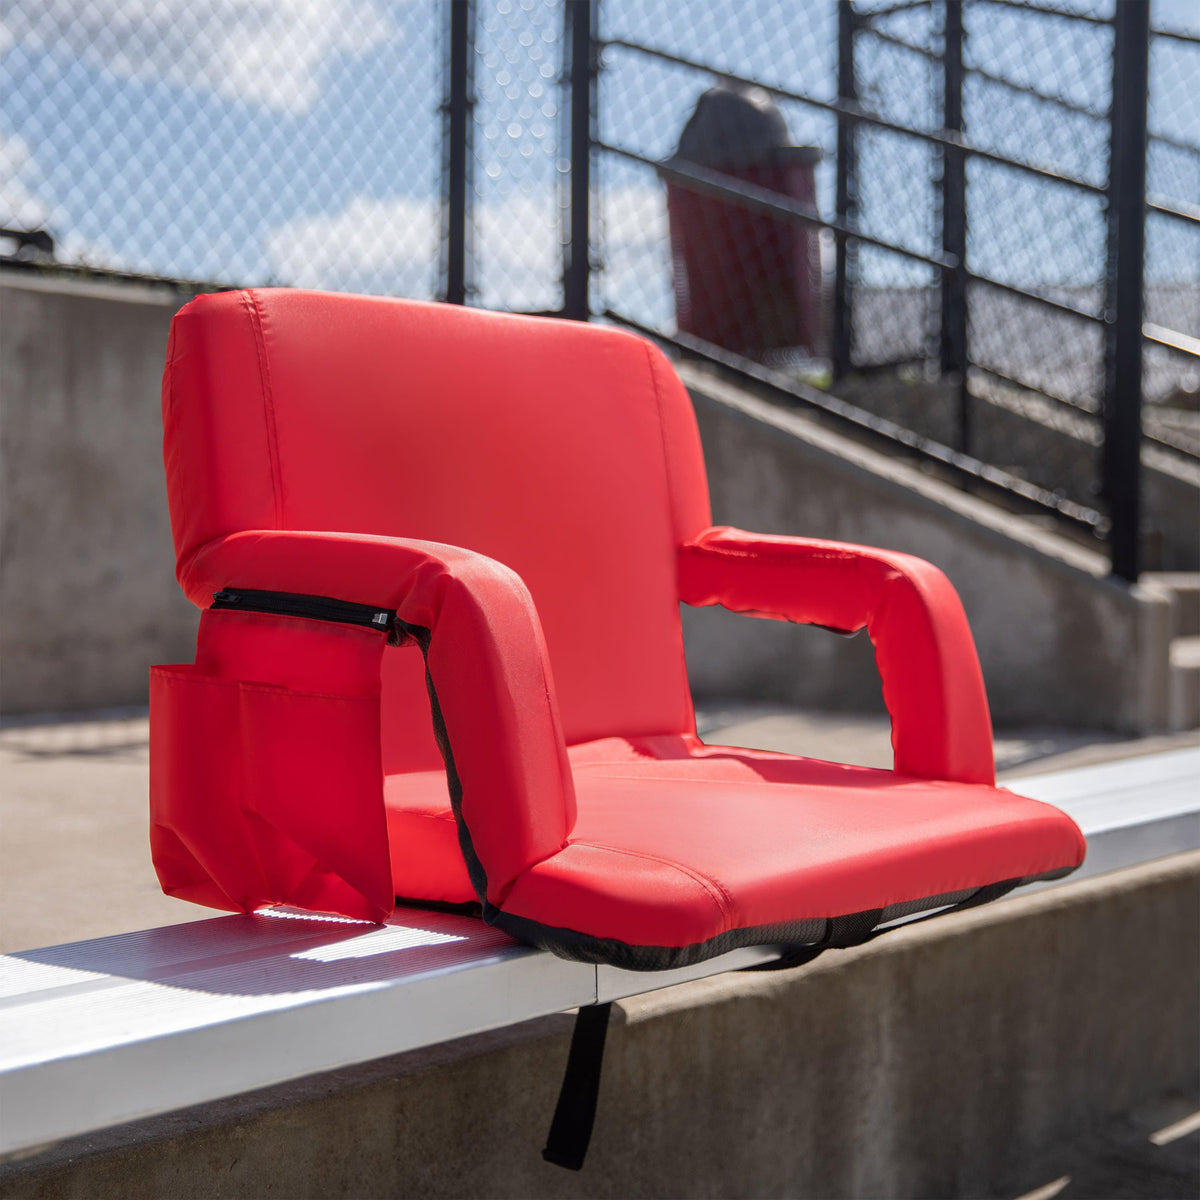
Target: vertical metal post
953	342
579	34
1126	254
458	107
842	332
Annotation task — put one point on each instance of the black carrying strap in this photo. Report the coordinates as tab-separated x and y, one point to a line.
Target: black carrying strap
571	1129
985	895
839	932
857	928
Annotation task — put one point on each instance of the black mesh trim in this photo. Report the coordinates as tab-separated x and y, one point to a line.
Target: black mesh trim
584	947
475	872
800	941
894	912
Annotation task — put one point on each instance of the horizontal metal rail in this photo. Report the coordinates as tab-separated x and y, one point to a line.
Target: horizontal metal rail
855	112
892	9
1023	6
1042	11
1179	210
962	467
1059	306
1177	35
1160	335
752	195
1076	406
901	43
1174	142
1163	438
744	194
1024	89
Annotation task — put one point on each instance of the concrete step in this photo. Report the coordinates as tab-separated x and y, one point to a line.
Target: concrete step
1185	683
1186	587
1080	654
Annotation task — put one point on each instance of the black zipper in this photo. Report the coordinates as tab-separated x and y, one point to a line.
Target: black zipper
316	608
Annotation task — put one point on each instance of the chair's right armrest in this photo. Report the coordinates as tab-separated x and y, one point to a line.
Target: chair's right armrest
932	684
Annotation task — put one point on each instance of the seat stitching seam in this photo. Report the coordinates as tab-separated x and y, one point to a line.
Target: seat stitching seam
662	438
719	895
783	558
264	375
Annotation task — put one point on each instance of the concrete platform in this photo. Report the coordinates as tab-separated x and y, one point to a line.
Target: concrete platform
1002	1052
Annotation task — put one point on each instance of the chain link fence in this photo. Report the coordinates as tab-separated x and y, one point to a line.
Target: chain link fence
239	142
520	155
1171	382
276	142
903	204
947	259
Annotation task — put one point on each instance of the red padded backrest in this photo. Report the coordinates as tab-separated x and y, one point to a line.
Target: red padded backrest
567	451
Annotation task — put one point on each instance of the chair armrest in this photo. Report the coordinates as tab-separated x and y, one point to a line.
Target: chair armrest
491	690
932	684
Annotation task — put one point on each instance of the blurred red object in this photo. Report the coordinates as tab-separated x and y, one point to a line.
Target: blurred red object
744	279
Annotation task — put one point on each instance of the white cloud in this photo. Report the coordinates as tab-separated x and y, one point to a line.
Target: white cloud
266	51
394	243
396	239
19	207
634	219
22	208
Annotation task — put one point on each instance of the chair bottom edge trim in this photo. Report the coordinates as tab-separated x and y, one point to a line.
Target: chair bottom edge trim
791	936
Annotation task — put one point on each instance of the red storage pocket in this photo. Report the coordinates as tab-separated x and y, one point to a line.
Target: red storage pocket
202	850
270	790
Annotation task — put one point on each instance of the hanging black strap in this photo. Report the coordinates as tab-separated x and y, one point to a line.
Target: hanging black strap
575	1113
571	1129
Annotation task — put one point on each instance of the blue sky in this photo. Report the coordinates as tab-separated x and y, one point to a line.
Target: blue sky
298	141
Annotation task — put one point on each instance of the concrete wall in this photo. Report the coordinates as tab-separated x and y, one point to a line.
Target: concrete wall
941	1060
1061	642
88	598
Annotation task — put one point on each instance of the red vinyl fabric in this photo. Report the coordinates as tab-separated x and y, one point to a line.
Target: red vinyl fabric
527	501
274	727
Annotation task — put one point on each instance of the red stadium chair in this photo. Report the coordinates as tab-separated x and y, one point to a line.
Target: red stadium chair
440	554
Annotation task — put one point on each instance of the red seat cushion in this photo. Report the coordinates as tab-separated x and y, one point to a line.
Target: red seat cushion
427	862
678	843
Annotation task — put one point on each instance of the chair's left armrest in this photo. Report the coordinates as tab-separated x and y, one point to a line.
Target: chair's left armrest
928	666
488	669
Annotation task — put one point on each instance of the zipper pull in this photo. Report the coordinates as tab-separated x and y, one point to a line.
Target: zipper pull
225	596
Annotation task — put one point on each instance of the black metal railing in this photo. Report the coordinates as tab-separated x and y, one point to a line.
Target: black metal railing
1108	502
